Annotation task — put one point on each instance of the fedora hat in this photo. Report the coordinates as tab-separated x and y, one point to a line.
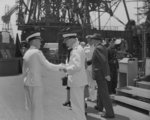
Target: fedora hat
96	36
88	36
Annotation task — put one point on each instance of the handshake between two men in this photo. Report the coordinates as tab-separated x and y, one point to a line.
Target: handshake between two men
63	68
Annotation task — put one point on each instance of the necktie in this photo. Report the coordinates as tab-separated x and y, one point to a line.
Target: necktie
68	55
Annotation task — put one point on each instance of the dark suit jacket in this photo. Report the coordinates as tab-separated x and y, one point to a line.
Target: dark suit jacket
100	66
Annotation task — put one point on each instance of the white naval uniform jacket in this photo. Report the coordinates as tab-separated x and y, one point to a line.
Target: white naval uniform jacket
33	61
76	67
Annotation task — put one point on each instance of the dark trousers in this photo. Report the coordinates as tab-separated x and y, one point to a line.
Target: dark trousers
112	84
86	91
103	98
114	81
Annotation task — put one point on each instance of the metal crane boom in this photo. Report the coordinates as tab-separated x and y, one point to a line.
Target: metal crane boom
6	17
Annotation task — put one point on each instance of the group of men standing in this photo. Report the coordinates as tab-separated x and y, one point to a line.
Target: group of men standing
98	70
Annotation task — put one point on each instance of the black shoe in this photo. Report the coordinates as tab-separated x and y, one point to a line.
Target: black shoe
85	113
67	103
85	105
107	116
96	108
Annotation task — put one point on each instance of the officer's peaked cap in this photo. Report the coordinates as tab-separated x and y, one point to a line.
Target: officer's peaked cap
68	36
34	36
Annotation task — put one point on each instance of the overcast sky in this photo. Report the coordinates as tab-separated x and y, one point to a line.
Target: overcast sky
120	13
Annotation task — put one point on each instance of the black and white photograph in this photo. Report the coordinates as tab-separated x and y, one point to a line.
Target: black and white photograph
75	60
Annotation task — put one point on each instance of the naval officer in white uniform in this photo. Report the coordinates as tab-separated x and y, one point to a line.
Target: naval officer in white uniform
92	83
77	78
33	61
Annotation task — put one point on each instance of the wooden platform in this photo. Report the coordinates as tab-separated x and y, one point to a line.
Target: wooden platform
132	102
143	84
135	91
123	93
12	101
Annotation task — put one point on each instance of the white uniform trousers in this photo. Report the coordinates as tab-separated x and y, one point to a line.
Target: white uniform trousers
34	102
92	85
77	103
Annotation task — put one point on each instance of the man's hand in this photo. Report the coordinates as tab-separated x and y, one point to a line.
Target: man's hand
107	78
62	67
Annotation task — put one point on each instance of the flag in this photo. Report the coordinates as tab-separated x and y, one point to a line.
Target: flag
18	52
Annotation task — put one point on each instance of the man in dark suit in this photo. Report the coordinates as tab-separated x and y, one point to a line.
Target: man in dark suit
101	73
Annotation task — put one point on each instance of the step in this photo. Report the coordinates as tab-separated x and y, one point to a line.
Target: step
135	91
133	102
144	84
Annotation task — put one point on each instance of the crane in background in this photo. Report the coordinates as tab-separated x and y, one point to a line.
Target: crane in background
7	46
6	19
51	16
45	14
